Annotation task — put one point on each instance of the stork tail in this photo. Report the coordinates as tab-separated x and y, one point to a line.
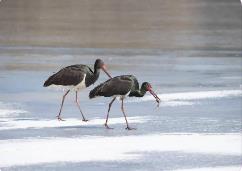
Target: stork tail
95	92
49	81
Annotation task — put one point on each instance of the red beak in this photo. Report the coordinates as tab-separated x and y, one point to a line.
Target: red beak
104	68
155	96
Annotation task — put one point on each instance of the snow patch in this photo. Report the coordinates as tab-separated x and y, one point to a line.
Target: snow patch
176	103
10	113
8	110
85	149
9	124
185	96
226	168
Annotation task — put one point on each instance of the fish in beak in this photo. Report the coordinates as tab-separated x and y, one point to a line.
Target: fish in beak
155	96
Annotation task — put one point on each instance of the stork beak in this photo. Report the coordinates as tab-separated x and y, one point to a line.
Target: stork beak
104	68
155	96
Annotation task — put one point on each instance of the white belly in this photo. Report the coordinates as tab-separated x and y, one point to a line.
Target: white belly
121	96
81	85
77	87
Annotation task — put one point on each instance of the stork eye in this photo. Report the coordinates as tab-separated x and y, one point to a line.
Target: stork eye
148	87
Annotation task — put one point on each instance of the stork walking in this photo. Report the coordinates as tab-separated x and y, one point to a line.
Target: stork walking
122	86
75	78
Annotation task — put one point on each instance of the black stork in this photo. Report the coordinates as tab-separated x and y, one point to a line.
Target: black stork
75	78
122	86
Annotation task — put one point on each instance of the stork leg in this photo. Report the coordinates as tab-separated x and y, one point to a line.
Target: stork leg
109	107
63	99
78	105
122	108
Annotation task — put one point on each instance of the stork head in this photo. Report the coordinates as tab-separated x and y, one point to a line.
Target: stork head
147	87
99	64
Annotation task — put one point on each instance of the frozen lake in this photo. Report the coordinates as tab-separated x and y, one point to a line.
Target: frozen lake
189	50
196	127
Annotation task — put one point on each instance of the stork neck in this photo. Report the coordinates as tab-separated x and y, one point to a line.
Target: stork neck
96	73
138	93
142	91
92	78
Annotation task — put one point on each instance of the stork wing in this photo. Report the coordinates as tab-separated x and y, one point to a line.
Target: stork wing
120	85
71	75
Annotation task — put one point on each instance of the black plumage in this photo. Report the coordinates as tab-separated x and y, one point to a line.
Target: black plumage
76	77
122	86
72	76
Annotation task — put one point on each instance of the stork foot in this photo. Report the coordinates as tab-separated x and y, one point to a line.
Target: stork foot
84	120
129	128
106	126
59	118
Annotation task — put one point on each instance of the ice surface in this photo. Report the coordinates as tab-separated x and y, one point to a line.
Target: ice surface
9	124
227	168
34	151
198	124
8	110
200	95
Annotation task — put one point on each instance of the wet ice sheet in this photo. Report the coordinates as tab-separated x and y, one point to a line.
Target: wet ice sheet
198	124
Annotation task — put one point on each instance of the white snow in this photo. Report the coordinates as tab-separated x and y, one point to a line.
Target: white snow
7	110
226	168
19	152
8	124
10	112
36	151
190	96
176	103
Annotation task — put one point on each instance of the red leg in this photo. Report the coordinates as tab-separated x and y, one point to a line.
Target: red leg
63	99
122	108
109	107
78	105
